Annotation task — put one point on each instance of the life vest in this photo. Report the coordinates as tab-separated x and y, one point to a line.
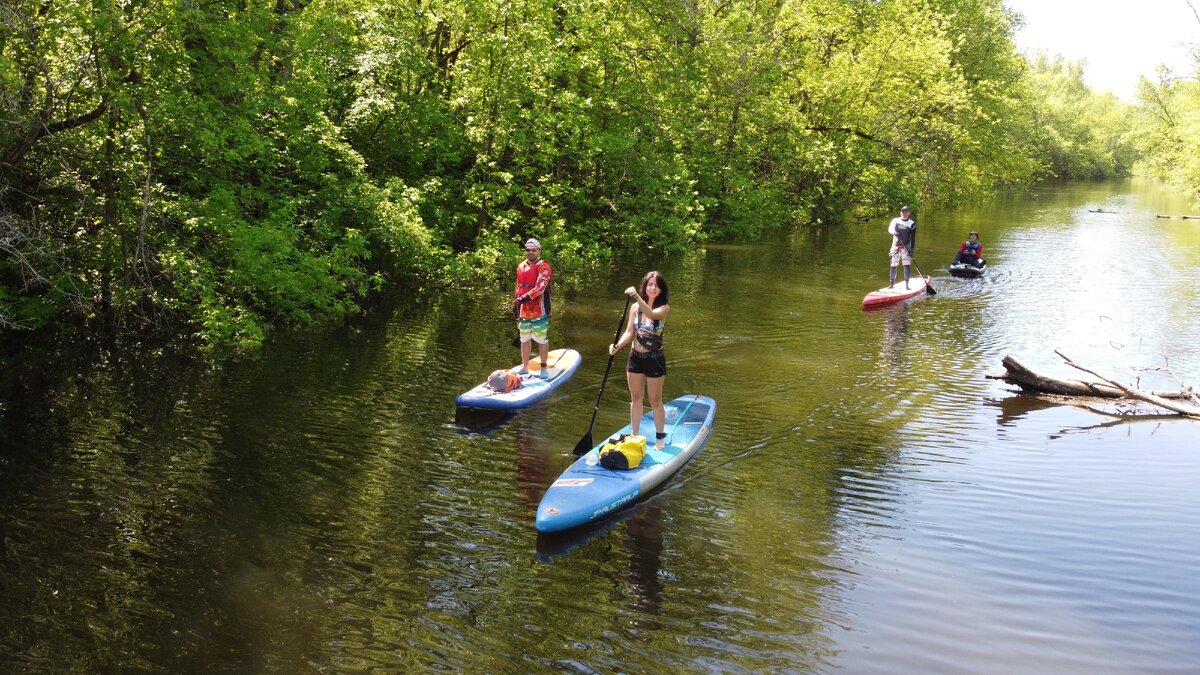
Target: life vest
905	234
972	248
528	277
623	452
502	381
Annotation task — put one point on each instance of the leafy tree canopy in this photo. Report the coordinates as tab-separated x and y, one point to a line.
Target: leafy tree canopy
219	169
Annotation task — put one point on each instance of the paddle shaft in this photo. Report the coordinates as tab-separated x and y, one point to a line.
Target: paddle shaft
928	284
586	442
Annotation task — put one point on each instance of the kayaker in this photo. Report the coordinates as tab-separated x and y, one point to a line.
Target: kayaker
531	305
971	251
647	366
904	239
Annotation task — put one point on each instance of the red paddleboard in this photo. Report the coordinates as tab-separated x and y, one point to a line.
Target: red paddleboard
897	292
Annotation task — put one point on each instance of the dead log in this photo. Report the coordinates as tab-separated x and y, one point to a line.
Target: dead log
1015	373
1027	380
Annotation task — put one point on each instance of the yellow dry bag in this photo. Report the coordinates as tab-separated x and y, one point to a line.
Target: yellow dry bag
623	452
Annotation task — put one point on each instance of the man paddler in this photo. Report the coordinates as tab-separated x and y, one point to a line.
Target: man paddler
531	305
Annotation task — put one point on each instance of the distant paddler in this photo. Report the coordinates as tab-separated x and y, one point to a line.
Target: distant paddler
904	240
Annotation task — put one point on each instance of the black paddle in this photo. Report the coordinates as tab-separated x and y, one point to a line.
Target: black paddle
928	285
516	342
585	443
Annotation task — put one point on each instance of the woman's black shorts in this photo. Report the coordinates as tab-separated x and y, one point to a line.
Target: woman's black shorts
650	364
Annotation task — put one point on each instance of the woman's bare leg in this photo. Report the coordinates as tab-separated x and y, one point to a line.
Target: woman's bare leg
655	386
637	386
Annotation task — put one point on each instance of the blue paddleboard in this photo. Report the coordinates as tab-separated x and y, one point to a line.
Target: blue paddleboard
561	365
587	491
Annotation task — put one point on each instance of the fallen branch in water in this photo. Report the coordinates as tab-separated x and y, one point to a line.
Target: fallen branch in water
1017	374
1103	387
1147	396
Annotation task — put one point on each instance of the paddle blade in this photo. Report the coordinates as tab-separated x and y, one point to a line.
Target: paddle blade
929	290
584	444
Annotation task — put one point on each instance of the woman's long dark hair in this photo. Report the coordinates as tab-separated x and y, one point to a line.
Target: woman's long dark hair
661	282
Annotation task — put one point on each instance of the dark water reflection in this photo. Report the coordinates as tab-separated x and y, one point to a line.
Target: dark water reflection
869	501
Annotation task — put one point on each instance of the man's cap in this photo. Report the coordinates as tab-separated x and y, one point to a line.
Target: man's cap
905	208
973	232
533	243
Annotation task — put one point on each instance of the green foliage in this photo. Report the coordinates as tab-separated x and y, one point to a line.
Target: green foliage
1080	133
224	168
1168	131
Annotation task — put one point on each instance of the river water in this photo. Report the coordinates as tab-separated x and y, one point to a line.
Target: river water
868	502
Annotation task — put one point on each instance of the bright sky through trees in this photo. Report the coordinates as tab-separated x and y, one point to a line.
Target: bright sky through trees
1119	40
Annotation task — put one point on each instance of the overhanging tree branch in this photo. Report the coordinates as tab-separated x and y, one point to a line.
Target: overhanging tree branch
40	129
859	134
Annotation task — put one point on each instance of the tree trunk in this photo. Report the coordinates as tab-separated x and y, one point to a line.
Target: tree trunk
1026	379
1015	373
